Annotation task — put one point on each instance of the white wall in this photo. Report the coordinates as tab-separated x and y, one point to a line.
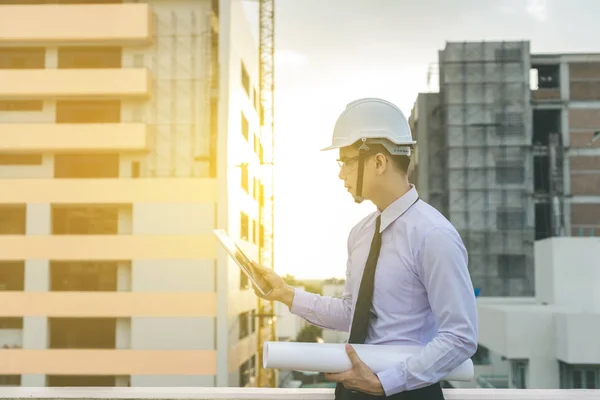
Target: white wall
565	321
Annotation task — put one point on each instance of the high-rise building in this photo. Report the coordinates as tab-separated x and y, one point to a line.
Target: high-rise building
505	151
128	132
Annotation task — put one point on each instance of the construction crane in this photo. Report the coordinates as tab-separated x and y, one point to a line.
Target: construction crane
266	309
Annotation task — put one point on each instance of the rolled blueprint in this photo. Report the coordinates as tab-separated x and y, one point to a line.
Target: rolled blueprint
332	357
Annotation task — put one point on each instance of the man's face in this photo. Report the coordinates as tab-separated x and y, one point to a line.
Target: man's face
348	161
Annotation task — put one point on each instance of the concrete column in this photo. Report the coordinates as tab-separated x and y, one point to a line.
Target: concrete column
51	57
37	275
35	333
123	333
123	277
125	220
33	380
38	219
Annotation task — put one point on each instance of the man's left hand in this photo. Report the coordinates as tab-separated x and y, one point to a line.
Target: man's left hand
359	377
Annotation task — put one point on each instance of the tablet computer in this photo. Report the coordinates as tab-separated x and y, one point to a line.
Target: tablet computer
243	262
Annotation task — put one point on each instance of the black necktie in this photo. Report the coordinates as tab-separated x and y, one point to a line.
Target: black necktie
362	310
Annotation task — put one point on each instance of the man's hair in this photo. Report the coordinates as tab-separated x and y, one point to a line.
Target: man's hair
401	162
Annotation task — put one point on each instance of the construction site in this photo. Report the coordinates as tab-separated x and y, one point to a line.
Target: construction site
493	154
131	130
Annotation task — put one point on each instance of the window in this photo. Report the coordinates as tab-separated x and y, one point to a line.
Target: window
244	170
511	265
261	235
12	275
86	166
548	76
509	124
13	219
245	79
510	172
579	376
82	333
508	55
85	220
256	101
83	276
89	57
481	356
246	371
261	194
245	127
510	219
244	234
10	380
21	105
244	282
11	323
244	321
93	111
22	58
20	159
519	374
135	169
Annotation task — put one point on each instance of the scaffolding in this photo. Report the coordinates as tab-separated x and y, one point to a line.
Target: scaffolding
484	96
179	116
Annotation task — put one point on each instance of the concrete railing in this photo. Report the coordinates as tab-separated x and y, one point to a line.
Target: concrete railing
160	393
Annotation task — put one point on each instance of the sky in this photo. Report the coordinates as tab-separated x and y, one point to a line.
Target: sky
331	52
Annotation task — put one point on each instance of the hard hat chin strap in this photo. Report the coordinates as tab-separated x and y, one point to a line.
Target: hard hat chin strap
362	154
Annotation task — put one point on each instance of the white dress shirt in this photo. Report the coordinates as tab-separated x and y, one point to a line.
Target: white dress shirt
423	293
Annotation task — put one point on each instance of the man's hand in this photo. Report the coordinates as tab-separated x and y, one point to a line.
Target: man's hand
359	377
281	291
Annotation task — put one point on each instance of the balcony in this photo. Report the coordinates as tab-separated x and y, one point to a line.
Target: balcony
107	304
73	137
74	84
226	393
75	24
108	191
107	247
102	362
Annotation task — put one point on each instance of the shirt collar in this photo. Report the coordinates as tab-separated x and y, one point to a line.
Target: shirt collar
398	207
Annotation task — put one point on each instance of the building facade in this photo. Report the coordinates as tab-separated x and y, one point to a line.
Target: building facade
485	160
549	341
128	132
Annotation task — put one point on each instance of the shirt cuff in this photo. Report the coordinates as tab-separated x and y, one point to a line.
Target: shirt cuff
393	380
303	303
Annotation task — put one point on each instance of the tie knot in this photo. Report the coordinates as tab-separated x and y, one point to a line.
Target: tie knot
377	224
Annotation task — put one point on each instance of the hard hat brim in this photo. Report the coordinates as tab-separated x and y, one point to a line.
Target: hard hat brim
330	148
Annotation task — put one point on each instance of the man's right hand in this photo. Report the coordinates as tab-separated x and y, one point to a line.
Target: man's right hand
281	292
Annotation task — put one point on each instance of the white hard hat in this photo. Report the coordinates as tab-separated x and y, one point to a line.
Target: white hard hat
373	121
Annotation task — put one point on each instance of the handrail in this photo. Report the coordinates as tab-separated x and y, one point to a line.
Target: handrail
202	393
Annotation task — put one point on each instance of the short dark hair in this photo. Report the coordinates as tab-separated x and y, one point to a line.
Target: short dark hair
401	162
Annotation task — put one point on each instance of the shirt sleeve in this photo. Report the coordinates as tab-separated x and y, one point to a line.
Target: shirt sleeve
326	311
442	264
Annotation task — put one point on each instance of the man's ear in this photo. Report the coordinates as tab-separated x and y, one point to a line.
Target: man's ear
380	163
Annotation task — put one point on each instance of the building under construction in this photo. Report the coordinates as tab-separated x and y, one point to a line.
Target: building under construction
506	150
129	130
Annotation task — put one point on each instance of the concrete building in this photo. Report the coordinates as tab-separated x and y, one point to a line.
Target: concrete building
553	341
508	164
128	132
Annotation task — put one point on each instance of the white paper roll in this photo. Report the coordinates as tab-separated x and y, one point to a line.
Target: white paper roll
332	357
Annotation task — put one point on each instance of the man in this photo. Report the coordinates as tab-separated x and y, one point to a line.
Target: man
407	277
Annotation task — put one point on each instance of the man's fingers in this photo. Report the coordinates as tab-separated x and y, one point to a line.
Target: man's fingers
354	359
337	377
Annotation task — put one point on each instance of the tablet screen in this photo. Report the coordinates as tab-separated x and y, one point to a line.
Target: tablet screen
243	262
